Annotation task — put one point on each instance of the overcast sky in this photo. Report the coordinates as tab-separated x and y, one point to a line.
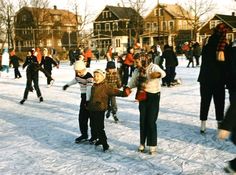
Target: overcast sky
94	7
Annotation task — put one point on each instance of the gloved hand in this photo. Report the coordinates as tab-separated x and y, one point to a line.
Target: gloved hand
126	91
65	87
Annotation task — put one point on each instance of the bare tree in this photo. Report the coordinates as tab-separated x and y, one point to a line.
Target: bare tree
198	9
136	22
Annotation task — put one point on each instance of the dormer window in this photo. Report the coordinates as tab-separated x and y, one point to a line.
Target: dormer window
24	18
105	14
56	18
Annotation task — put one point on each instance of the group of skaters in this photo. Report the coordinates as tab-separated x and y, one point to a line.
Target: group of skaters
217	71
146	72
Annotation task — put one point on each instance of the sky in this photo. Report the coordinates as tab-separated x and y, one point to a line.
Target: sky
38	138
94	7
97	5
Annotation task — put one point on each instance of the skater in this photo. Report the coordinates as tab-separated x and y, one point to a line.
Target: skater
14	60
47	63
5	62
128	62
97	105
147	78
229	123
113	79
32	75
85	80
212	76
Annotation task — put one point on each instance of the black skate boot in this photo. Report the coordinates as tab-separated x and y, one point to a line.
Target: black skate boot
81	138
105	147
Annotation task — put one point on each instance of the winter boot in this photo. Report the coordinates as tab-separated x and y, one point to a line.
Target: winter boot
98	142
81	138
141	148
105	147
40	99
22	101
203	127
152	150
92	141
115	118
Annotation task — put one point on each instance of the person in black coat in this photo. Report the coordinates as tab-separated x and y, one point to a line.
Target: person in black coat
14	60
47	63
212	76
171	62
229	123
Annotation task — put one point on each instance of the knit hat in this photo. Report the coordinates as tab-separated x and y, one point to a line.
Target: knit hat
79	65
110	65
100	72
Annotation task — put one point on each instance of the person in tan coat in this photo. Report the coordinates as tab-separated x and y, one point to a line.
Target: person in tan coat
98	104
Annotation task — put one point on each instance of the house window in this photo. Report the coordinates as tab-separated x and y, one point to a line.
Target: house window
56	18
213	23
164	25
110	14
105	14
171	25
115	26
230	37
24	18
148	26
98	27
59	42
154	26
49	42
117	42
107	27
160	10
127	25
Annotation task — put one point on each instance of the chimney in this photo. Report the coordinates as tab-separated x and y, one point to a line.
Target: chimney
233	13
54	7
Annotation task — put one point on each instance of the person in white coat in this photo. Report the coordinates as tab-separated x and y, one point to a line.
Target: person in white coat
5	61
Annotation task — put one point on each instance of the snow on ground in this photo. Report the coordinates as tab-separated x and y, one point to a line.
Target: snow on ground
38	138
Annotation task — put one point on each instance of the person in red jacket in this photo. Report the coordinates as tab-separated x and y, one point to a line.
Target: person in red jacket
128	62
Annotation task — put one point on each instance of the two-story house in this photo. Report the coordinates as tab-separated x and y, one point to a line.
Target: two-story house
228	20
44	27
117	26
166	24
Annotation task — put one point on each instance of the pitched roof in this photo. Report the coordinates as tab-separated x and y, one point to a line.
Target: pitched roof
228	19
177	11
123	12
66	16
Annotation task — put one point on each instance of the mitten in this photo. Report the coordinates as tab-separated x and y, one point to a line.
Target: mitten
126	92
141	95
65	87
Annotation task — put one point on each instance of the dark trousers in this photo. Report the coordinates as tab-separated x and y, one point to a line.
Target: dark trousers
170	74
48	74
207	92
125	75
32	77
112	106
84	117
149	110
17	72
97	124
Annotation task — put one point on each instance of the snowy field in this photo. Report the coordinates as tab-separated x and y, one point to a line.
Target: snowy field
38	138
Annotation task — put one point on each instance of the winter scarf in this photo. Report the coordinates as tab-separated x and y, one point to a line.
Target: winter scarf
221	30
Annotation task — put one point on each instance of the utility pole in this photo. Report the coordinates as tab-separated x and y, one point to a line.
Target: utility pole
158	21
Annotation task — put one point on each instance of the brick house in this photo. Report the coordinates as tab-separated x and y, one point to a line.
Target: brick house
44	27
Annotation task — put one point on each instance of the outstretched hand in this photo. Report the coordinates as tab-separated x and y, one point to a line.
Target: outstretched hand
126	91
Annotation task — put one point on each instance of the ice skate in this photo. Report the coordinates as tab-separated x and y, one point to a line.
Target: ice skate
81	139
141	148
203	127
152	150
